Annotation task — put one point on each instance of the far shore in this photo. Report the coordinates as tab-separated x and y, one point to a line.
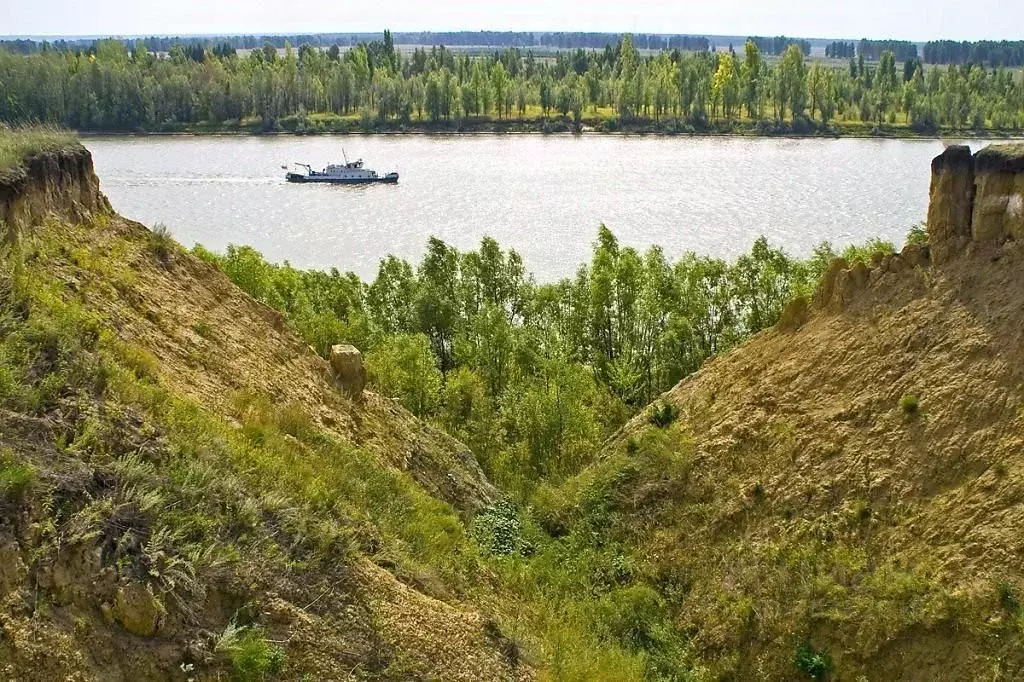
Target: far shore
663	128
889	135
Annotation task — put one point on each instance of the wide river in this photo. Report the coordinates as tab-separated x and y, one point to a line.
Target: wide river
544	196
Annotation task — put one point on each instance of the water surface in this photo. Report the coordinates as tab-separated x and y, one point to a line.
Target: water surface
542	195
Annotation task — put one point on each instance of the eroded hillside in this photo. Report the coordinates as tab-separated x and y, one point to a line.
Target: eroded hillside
842	497
185	493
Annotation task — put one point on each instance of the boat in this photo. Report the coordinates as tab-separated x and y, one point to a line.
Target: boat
348	173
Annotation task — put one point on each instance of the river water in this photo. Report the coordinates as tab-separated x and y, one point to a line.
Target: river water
545	196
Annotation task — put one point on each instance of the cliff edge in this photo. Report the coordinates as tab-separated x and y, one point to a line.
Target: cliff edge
185	490
841	497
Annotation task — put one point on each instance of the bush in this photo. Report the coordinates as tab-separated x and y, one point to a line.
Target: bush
497	529
161	243
918	234
815	664
663	414
909	404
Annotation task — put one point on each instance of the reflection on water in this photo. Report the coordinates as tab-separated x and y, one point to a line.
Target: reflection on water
544	196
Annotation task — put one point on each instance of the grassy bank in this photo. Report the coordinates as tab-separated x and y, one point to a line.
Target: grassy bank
17	143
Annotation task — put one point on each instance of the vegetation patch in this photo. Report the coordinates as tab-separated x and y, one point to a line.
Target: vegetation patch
814	664
19	142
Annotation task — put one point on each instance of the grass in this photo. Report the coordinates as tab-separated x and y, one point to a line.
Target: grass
662	414
909	404
162	244
16	478
16	143
252	658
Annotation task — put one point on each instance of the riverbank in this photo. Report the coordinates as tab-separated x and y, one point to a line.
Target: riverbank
317	124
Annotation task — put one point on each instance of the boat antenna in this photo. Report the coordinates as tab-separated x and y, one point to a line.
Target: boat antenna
345	155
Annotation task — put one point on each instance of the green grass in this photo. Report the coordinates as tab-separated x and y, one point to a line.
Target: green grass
17	143
16	478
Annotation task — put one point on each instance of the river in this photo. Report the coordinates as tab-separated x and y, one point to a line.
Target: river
544	196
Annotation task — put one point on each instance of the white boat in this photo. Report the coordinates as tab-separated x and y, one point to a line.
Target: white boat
348	173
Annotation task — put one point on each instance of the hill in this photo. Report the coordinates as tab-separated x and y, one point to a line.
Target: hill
186	492
841	496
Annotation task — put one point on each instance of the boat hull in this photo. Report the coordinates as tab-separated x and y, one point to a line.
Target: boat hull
387	180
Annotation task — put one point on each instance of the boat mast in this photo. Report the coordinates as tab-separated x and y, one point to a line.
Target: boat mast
344	155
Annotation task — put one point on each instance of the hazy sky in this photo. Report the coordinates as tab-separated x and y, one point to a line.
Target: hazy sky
905	19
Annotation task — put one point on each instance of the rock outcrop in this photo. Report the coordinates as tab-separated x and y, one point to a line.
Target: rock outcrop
999	194
950	202
349	373
975	201
58	182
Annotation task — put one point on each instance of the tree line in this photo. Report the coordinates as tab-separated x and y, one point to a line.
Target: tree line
533	377
777	45
487	39
985	52
114	88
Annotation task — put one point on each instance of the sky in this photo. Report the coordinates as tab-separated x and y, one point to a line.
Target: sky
901	19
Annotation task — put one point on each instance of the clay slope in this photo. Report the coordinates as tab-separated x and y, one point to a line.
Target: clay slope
186	494
845	498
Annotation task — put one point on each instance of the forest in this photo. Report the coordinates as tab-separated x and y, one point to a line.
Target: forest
534	377
112	88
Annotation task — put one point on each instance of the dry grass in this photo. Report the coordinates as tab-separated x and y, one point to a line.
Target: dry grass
18	142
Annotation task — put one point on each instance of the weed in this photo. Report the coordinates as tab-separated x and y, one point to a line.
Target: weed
162	244
1007	599
253	658
662	414
815	664
142	364
16	478
293	420
918	234
203	330
909	404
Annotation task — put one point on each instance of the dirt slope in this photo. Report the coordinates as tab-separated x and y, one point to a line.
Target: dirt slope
844	498
185	494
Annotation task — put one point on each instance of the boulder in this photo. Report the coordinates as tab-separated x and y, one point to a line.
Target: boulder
347	366
138	610
950	202
915	255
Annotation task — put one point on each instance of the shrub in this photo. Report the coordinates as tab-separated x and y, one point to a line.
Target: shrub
815	664
909	404
161	243
663	414
918	234
497	529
